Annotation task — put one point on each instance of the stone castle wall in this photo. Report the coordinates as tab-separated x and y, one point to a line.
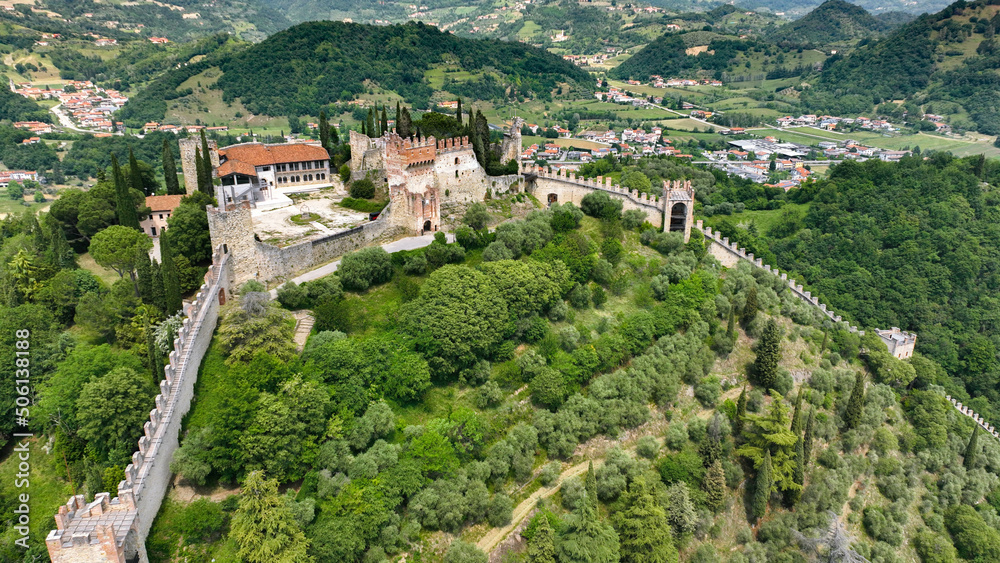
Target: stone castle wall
87	533
967	411
189	148
729	255
566	187
253	259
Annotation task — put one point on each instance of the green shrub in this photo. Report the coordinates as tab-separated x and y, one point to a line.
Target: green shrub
363	205
364	268
200	520
363	188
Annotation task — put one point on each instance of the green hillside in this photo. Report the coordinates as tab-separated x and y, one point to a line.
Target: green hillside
944	63
833	21
323	62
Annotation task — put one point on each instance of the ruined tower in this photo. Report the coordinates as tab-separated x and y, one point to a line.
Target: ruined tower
678	207
511	147
189	146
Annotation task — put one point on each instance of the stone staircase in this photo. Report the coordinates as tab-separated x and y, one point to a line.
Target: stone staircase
304	322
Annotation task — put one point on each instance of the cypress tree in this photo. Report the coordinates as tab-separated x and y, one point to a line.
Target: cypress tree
741	412
797	414
334	135
405	124
715	486
478	146
199	170
170	170
144	271
542	547
750	307
370	123
205	182
856	404
135	177
385	121
124	206
363	132
159	297
398	116
972	449
761	488
154	355
808	438
793	495
822	347
765	366
324	130
458	111
591	486
171	280
731	324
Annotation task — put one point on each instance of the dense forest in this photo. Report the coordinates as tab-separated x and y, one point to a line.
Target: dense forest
15	107
324	62
832	21
912	245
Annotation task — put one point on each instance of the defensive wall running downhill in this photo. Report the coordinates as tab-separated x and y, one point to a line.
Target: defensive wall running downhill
978	419
115	529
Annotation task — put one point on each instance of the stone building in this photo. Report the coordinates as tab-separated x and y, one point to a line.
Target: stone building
253	172
678	207
899	342
161	208
189	149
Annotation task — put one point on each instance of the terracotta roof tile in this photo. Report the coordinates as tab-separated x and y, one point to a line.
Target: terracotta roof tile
163	202
258	154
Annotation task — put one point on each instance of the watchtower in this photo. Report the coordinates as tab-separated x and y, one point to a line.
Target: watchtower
678	207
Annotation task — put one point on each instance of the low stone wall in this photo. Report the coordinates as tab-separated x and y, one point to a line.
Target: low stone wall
81	528
729	255
254	259
978	419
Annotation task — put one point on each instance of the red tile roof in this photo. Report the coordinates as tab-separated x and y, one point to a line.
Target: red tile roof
163	202
259	154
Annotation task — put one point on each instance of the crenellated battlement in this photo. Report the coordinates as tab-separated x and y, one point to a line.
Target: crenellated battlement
114	529
971	414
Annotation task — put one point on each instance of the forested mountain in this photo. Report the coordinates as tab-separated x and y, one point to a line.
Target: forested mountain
945	63
14	107
177	20
832	21
798	7
317	63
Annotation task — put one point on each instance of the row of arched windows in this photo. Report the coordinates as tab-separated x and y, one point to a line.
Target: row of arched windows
302	178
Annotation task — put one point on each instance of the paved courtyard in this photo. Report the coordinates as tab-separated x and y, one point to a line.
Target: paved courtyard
288	225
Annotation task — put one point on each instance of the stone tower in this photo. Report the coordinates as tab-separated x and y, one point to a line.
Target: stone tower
511	147
232	228
678	207
189	146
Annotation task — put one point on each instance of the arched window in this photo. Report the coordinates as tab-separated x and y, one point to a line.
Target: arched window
456	160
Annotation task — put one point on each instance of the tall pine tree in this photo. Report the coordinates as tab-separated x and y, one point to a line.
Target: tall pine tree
731	324
370	123
399	116
591	485
159	297
768	349
171	281
385	121
856	404
125	206
458	111
793	495
542	547
715	486
170	170
264	527
761	489
643	529
144	273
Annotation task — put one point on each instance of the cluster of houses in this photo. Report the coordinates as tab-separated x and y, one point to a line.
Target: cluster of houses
585	60
167	128
850	149
938	121
34	126
831	123
634	143
657	81
89	106
8	176
616	95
